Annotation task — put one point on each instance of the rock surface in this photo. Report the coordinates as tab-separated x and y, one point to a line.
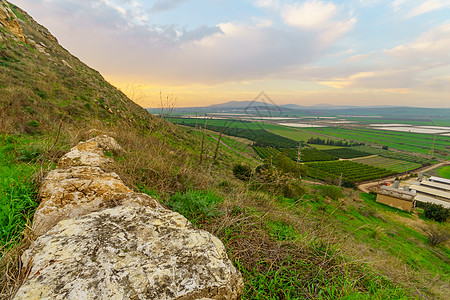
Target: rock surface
9	20
130	253
100	240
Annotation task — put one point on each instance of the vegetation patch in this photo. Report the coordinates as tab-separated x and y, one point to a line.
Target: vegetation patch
353	171
444	172
18	190
196	206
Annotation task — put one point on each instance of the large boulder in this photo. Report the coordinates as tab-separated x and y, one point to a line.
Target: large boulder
129	253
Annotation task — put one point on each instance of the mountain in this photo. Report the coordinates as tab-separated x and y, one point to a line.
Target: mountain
41	83
252	107
239	104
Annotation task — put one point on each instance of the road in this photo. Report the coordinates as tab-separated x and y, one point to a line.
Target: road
366	187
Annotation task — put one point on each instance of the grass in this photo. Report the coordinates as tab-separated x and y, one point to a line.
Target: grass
17	188
196	206
444	172
396	238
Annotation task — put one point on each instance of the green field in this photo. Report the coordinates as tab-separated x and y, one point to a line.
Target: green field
325	147
444	172
293	133
346	153
353	171
412	142
395	155
395	165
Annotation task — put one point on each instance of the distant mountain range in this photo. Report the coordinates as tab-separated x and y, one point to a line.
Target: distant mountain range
259	107
246	104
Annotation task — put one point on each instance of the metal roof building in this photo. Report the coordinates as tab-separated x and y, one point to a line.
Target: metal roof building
435	190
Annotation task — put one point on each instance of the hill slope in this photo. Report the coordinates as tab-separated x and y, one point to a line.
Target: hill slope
41	83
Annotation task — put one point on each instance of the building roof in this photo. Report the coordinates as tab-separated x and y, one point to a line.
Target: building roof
424	198
396	193
440	179
437	185
431	191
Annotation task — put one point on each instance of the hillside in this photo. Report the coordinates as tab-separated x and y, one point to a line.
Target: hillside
42	84
290	238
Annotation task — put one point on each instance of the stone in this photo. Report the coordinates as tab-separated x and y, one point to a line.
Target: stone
107	143
129	252
85	154
9	21
74	192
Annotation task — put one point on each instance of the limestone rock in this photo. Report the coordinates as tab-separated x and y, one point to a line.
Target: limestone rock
129	253
9	20
84	154
107	143
74	192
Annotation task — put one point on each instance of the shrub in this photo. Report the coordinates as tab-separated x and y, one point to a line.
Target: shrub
242	172
294	189
436	234
34	124
349	184
436	212
334	192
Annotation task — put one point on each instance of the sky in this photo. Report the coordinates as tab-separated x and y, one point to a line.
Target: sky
203	52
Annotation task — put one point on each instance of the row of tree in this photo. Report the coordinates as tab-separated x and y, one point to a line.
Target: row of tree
319	141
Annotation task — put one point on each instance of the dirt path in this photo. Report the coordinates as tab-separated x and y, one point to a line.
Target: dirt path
366	187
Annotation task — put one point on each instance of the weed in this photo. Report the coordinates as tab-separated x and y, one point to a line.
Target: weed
195	205
436	233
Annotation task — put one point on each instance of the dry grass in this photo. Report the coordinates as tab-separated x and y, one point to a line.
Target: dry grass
13	271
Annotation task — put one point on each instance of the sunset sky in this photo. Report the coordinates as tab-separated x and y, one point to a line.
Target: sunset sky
202	52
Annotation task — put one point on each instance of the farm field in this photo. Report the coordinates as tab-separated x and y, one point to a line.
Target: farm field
351	170
346	153
395	155
412	142
293	133
444	172
325	147
266	152
395	165
309	154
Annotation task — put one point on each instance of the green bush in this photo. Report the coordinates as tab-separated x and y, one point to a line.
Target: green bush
334	192
34	124
195	205
294	189
242	171
435	212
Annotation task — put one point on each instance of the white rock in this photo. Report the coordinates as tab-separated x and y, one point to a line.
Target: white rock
129	253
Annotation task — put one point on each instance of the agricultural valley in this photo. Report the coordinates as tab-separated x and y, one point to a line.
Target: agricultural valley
290	191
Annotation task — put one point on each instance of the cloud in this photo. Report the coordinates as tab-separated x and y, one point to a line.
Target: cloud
430	48
421	65
309	14
108	35
162	5
414	8
428	6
